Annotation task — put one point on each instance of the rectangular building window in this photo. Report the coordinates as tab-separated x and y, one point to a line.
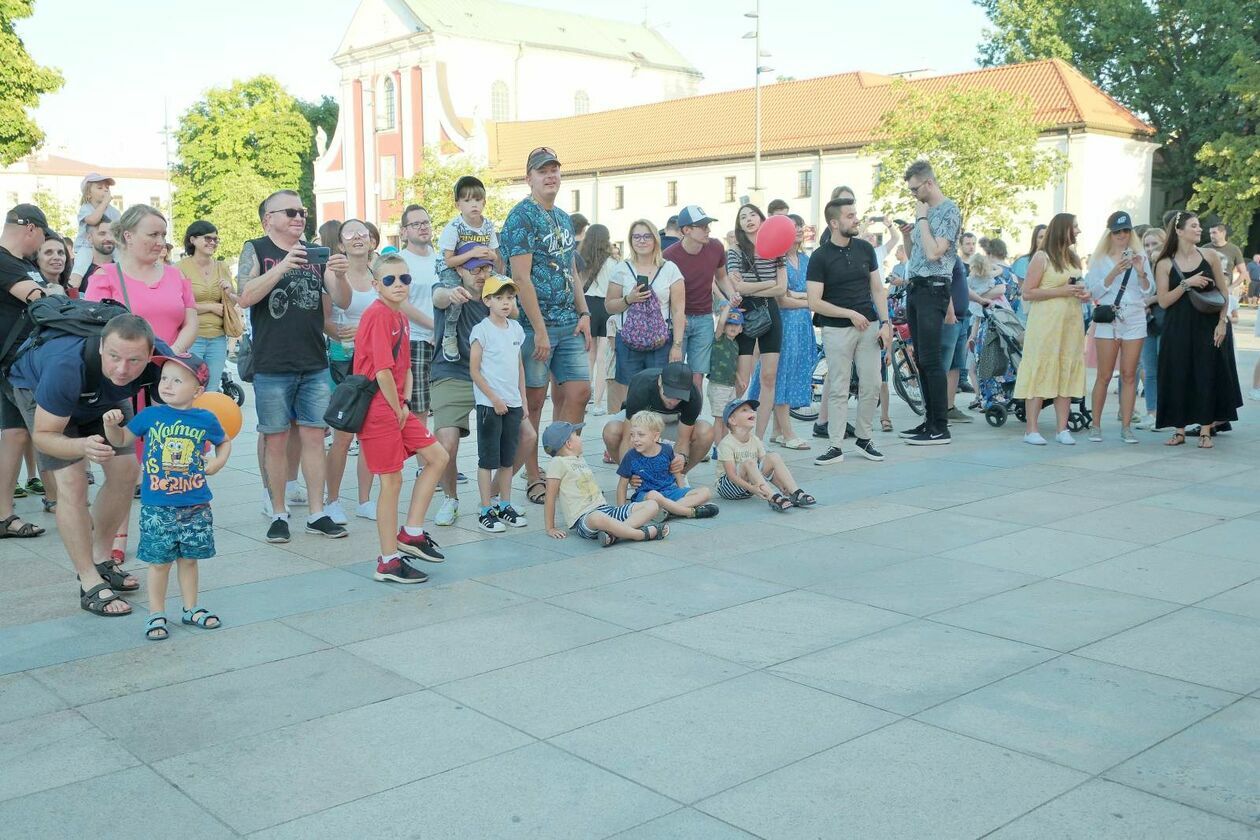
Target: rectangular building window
805	183
389	177
619	198
117	201
154	201
671	193
728	191
575	206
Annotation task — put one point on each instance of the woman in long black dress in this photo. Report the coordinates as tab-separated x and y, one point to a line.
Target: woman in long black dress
1198	377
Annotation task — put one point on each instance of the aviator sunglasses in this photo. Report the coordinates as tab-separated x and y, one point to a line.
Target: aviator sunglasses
388	279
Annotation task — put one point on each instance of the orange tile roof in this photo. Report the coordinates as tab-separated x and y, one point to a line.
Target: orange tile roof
58	165
699	128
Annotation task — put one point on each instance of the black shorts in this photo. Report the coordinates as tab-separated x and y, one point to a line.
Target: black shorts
598	308
497	437
768	342
1253	289
10	415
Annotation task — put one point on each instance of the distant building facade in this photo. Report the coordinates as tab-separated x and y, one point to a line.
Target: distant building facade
43	173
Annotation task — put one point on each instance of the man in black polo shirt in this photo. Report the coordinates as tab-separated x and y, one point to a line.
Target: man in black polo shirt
664	390
847	296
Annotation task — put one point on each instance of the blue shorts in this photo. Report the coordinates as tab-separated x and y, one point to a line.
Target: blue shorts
630	362
954	345
568	361
620	513
731	491
281	398
673	493
698	343
168	533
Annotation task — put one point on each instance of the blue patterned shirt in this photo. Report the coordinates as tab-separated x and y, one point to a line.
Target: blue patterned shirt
547	236
945	221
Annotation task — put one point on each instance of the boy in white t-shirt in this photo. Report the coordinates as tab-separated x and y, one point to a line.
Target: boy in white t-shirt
467	237
498	376
743	466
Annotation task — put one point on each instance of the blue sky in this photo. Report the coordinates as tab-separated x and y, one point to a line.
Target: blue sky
123	62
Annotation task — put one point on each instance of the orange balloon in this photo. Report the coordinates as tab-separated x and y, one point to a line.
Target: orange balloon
223	407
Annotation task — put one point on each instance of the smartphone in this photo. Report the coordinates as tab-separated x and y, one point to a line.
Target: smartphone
1128	253
318	255
643	282
900	222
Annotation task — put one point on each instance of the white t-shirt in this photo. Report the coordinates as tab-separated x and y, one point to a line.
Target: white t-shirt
420	294
500	360
599	286
666	276
457	232
1140	286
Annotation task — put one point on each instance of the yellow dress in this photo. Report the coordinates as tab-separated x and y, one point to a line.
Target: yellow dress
1054	344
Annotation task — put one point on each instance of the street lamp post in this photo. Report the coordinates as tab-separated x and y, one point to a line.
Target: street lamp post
755	35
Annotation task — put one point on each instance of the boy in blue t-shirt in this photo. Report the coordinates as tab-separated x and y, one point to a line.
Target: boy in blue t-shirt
651	462
175	520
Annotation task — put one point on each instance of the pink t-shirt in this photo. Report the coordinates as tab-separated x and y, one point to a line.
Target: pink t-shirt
162	305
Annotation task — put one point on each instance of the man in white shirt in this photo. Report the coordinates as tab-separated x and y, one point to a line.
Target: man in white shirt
417	231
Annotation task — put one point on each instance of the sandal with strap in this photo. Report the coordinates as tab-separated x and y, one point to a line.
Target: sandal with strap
95	602
155	632
779	503
116	577
606	539
885	425
50	505
654	532
802	499
27	531
1205	441
536	497
200	617
794	443
1177	439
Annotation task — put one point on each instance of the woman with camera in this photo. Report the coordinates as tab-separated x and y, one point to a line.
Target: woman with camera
1119	279
1198	377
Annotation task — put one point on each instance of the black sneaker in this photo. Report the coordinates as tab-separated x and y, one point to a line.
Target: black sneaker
488	521
929	439
868	450
279	531
965	388
325	527
396	571
849	431
512	517
909	433
422	546
706	511
820	430
832	456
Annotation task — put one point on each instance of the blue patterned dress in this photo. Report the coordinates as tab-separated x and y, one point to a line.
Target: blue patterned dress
798	353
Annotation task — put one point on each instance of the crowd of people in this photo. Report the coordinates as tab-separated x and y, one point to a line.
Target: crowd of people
472	327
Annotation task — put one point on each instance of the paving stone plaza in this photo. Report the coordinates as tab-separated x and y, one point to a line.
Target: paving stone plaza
985	639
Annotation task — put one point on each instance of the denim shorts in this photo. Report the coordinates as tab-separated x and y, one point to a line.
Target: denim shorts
698	343
621	514
281	398
630	362
168	533
568	361
954	346
674	493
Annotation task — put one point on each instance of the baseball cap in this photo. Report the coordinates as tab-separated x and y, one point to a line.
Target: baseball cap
189	361
555	436
676	380
29	214
494	284
476	262
736	316
95	178
693	214
541	156
733	406
1118	221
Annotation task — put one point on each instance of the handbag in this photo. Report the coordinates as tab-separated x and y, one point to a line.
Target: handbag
245	358
348	406
757	319
1206	302
233	322
1105	313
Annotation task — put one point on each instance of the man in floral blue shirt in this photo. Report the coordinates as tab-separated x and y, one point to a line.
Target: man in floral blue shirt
537	238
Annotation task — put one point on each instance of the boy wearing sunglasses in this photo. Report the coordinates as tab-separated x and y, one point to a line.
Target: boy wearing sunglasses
391	434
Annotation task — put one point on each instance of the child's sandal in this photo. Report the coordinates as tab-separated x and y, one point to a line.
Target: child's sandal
779	503
155	631
606	539
802	499
201	617
654	532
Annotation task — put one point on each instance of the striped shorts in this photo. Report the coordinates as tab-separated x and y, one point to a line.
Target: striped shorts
621	514
731	491
421	362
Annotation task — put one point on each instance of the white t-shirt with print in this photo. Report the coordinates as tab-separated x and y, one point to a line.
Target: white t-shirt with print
420	293
500	360
664	279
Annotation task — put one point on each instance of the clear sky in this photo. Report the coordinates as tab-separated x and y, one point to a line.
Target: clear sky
123	62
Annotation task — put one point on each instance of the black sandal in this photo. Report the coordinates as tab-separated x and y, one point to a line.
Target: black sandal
606	539
654	532
155	632
539	497
802	499
779	503
27	531
706	511
115	577
94	602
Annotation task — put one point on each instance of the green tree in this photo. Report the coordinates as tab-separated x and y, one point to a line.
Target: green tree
433	188
321	114
982	145
22	82
61	217
1168	60
235	147
1229	181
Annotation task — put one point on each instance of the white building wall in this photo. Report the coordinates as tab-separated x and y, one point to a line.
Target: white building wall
18	187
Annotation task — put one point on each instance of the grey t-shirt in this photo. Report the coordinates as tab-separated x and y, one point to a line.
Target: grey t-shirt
945	220
470	315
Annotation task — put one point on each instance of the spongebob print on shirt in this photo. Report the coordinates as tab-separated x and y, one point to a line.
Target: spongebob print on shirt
174	454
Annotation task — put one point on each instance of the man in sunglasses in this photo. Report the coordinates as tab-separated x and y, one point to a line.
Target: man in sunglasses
288	304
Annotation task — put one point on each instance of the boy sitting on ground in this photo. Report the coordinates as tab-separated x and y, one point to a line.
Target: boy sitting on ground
649	460
743	465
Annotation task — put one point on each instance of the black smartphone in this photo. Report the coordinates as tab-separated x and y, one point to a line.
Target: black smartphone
643	282
900	222
318	255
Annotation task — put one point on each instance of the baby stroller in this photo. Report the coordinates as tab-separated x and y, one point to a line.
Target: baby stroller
999	348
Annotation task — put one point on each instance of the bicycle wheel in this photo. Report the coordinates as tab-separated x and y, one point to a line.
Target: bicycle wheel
906	379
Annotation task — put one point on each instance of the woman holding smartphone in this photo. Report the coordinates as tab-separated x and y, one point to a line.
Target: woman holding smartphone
646	279
1198	377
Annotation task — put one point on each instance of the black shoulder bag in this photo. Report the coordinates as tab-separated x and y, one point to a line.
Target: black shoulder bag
757	319
350	400
1105	313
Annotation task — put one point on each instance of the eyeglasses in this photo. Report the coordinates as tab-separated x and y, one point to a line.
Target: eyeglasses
642	237
210	240
388	279
291	212
350	237
417	225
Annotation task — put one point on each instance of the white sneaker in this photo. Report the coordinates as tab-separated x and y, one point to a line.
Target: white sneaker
1254	394
598	411
295	493
354	447
367	510
1034	439
448	512
1146	423
336	512
1095	434
1065	437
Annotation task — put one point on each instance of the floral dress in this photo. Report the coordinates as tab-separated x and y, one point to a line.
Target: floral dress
798	353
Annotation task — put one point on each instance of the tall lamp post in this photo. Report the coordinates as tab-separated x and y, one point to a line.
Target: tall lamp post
755	36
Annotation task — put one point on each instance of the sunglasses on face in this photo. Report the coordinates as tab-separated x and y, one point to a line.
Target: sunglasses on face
210	240
351	237
388	279
292	212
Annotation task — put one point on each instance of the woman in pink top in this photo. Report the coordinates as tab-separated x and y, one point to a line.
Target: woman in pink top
157	292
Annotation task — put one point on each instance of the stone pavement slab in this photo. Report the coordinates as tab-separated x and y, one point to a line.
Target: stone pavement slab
1167	575
1042	551
1242	600
924	585
684	824
583	571
1238	538
22	696
55	749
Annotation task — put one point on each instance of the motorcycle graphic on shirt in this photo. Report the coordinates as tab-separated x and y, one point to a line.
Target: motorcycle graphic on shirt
300	288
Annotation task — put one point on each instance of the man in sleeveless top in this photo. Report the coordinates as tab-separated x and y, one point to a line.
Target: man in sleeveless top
288	304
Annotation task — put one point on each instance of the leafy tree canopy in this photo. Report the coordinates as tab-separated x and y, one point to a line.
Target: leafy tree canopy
1229	179
22	82
433	188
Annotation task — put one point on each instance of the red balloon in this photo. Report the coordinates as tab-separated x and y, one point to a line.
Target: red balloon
775	237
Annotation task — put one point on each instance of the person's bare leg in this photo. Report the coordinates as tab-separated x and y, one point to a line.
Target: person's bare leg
701	442
387	512
335	463
158	578
774	468
50	485
1130	356
74	523
1107	350
422	491
293	452
951	390
615	435
1032	409
640	515
883	403
616	396
527	441
277	467
449	438
364	476
769	372
312	438
188	583
534	400
743	375
29	456
570	400
1062	407
112	506
12	448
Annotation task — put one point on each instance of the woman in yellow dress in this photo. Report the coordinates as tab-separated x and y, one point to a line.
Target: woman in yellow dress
1053	366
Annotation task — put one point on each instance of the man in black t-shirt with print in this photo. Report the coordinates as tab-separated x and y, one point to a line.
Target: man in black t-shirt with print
664	390
846	295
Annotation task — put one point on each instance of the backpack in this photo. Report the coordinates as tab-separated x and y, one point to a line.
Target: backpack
643	327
